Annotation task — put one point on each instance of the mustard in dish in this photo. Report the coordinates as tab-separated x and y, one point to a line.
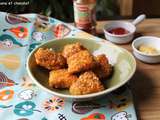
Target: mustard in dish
148	49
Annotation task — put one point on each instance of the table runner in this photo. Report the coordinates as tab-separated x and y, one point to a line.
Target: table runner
21	99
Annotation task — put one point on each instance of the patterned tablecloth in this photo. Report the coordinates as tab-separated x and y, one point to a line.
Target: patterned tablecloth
21	99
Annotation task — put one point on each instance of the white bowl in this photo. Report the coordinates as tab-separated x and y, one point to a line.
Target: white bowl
119	39
130	26
124	67
146	40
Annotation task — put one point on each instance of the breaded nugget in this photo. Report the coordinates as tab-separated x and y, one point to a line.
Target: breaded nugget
103	68
71	49
87	83
49	59
80	61
61	78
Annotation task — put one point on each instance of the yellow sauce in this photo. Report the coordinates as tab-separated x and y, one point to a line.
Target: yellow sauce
148	50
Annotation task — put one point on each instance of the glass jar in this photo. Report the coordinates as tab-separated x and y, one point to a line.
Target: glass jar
85	15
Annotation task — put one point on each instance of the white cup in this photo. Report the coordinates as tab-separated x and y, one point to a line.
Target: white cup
129	26
148	41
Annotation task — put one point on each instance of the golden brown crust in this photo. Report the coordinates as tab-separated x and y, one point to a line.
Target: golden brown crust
80	62
103	69
102	59
75	60
87	83
61	78
71	49
49	59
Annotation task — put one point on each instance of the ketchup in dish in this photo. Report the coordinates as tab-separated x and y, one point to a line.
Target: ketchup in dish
118	31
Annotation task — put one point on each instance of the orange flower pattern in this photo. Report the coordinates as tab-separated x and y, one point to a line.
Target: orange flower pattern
6	95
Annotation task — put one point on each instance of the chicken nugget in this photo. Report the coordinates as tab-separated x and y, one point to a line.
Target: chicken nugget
49	59
87	83
61	78
103	68
80	62
71	49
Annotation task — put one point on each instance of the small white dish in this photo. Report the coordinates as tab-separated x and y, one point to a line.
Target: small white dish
129	26
148	41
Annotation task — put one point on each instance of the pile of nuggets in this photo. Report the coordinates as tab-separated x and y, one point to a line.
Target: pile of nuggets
75	68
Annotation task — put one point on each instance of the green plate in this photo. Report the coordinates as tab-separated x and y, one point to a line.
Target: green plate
123	62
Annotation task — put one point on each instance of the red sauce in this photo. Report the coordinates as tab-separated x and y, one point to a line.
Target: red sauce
118	31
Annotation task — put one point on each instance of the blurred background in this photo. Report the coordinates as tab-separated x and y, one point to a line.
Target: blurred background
106	9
